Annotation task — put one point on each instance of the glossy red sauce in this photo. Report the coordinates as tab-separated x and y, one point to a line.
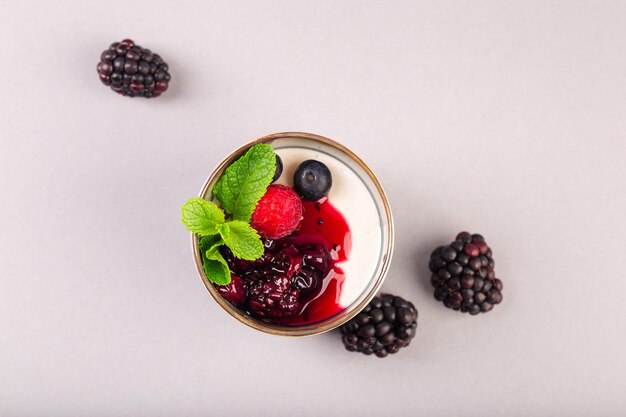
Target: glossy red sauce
322	224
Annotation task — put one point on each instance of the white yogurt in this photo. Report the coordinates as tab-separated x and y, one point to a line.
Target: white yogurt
350	195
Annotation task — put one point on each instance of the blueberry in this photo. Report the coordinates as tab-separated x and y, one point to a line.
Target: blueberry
279	168
312	180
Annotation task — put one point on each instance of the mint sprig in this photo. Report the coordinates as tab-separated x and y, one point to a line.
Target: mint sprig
214	264
202	217
242	239
215	267
238	190
243	183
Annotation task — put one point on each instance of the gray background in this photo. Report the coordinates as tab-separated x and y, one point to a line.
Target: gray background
506	118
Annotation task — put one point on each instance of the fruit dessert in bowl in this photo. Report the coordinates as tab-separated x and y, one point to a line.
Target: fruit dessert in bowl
292	234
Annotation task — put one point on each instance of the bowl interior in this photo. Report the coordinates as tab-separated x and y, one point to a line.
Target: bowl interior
357	193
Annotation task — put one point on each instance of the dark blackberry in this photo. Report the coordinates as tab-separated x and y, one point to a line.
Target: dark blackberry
463	275
385	326
133	71
316	257
277	284
307	280
315	266
287	260
241	266
235	292
269	280
273	298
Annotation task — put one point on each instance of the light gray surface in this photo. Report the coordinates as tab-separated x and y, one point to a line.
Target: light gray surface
507	118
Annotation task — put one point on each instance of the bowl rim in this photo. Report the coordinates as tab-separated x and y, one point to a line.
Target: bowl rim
363	299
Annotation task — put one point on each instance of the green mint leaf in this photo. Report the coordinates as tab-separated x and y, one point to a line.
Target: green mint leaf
215	266
208	242
201	216
244	182
239	189
242	239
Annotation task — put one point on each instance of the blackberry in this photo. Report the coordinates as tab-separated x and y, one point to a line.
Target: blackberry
315	266
464	276
307	281
132	71
316	257
235	292
280	282
273	298
385	326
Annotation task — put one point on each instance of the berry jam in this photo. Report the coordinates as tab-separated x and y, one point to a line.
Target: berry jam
323	224
297	280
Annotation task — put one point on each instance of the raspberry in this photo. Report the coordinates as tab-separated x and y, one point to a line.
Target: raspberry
278	213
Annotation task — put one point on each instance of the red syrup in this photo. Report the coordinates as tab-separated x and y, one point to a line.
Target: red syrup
322	224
